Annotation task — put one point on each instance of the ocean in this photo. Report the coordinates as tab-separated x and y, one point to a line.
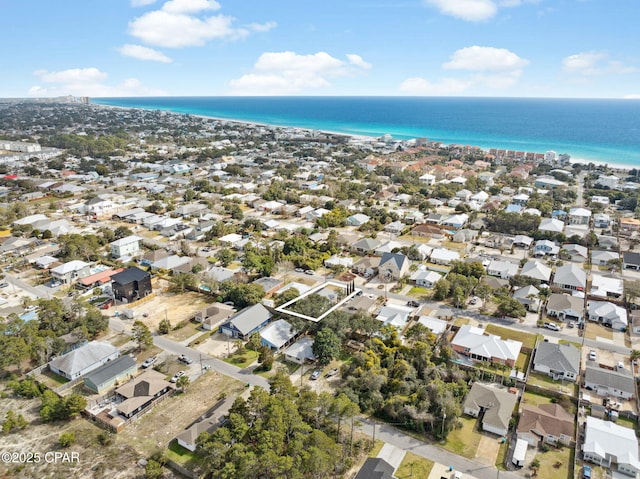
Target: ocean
602	131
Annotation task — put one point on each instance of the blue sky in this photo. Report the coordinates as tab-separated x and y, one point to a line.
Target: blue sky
522	48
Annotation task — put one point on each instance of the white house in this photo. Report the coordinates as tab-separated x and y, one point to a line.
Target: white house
606	286
579	216
425	279
84	359
444	256
536	270
571	277
71	271
608	314
125	247
608	444
502	269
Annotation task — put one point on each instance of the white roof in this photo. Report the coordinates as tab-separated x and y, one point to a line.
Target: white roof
230	238
537	270
70	266
608	310
444	254
278	333
126	240
301	349
579	212
601	285
551	224
27	220
83	357
437	326
486	345
604	438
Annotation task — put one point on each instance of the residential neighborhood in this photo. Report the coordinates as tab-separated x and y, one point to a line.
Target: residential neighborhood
404	302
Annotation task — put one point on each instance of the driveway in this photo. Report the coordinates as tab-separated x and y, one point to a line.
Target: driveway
488	449
392	455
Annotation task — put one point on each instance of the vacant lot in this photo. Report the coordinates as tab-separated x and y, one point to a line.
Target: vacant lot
464	441
555	463
528	340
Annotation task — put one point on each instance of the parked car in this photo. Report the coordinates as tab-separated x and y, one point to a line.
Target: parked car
586	472
185	359
177	376
4	285
413	303
474	300
299	270
592	355
571	324
552	326
331	373
316	374
308	271
149	362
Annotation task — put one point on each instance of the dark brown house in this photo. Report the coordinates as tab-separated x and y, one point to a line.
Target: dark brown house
131	285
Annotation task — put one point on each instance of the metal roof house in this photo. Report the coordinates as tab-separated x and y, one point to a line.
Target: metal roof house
246	322
111	373
84	359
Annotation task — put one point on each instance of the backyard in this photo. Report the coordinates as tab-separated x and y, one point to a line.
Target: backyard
555	463
542	380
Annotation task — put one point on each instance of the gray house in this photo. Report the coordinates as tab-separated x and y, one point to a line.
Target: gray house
84	359
111	373
494	404
248	321
559	361
605	382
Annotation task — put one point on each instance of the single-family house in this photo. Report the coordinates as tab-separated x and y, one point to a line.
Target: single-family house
435	325
551	225
131	285
395	227
610	445
137	395
606	286
571	277
574	252
425	279
474	343
71	271
631	260
444	256
502	269
608	314
494	404
604	257
546	248
579	216
214	314
548	423
393	266
125	247
246	322
456	221
565	307
558	361
83	360
522	241
536	270
528	296
605	382
375	468
301	351
278	335
365	246
357	220
367	266
394	315
601	220
110	374
269	284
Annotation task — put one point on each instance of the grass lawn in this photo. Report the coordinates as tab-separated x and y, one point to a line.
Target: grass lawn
522	362
414	466
203	337
593	331
502	452
54	380
464	441
185	332
574	343
630	423
418	291
460	321
376	448
544	381
532	399
120	340
242	360
528	340
549	460
182	456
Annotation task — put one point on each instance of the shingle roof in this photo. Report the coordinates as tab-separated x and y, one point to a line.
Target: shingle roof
622	381
375	468
546	419
558	357
129	275
250	318
498	404
79	359
111	370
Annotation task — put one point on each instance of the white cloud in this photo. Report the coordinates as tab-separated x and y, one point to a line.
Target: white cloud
143	53
190	6
183	23
594	63
446	86
86	82
484	58
357	60
469	10
141	3
487	67
283	73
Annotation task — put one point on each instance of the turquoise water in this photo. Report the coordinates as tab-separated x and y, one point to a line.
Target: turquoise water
606	131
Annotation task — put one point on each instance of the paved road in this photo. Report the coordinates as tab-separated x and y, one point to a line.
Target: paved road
41	292
393	436
216	364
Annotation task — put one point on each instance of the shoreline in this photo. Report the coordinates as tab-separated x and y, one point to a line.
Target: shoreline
614	166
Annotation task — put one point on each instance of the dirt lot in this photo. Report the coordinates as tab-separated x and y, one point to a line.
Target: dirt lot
175	307
118	460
